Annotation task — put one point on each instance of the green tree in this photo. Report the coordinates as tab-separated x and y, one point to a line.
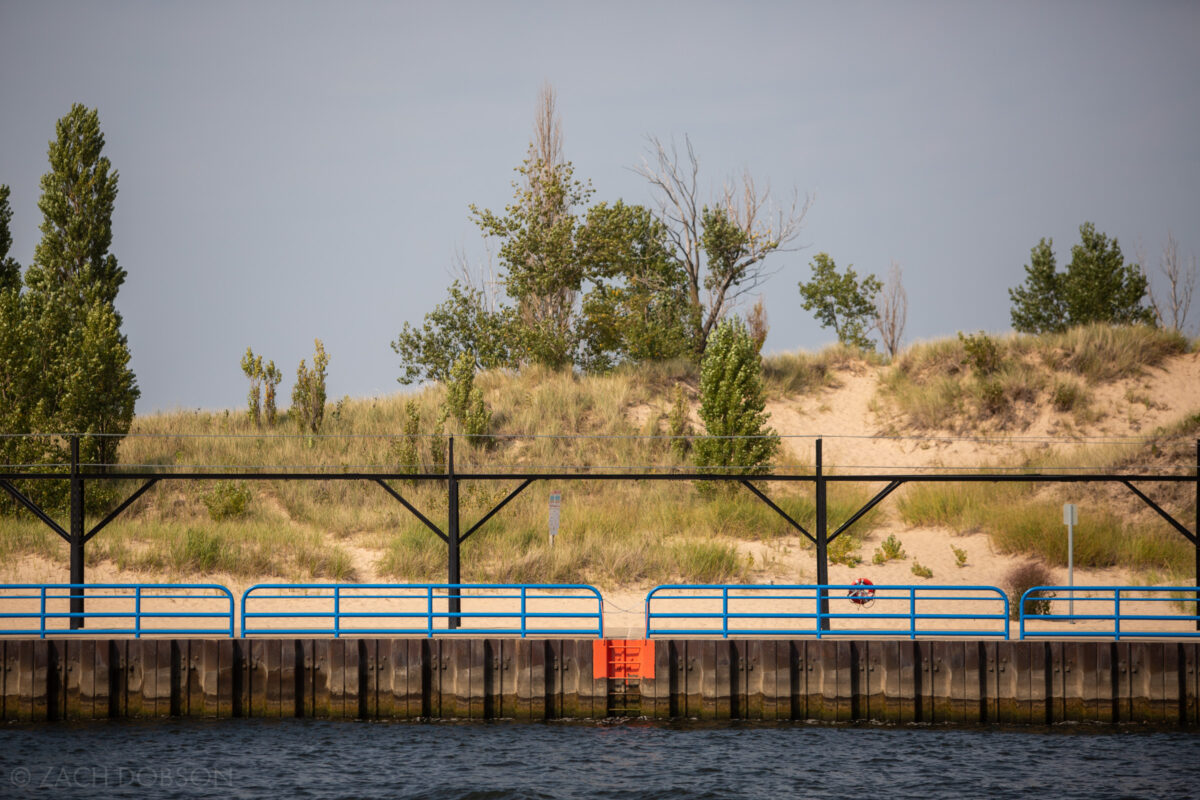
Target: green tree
1097	287
840	301
271	376
537	234
1101	286
733	403
10	270
78	196
71	322
461	324
308	395
1038	305
95	399
252	368
636	307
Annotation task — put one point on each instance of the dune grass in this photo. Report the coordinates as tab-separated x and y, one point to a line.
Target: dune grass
1115	528
941	385
612	533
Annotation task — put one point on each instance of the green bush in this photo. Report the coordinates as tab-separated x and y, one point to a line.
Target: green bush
844	550
890	550
960	556
982	351
227	500
921	571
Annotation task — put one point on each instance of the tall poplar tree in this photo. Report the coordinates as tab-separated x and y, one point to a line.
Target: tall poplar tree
79	353
733	403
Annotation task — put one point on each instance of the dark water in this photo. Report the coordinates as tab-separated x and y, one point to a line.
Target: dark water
311	759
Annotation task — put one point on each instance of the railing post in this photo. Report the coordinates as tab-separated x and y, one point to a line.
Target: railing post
724	612
137	611
76	619
912	612
452	596
337	611
822	546
1196	534
523	611
1117	614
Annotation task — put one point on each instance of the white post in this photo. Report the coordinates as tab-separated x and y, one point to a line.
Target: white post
1071	519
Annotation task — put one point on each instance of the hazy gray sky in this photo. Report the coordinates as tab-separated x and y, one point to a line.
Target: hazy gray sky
298	170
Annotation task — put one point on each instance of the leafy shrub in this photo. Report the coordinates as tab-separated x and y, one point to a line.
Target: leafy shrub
227	500
960	556
890	550
844	550
982	352
921	571
1020	579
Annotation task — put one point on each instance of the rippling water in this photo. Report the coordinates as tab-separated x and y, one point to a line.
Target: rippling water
315	759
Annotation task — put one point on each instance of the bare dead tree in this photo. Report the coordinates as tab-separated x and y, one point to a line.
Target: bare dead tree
1172	309
891	310
713	289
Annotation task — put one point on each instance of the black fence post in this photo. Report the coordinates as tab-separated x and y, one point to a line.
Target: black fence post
822	542
76	537
453	604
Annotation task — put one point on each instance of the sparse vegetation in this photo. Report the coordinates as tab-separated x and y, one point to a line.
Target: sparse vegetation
960	556
1021	579
921	571
844	550
1012	373
890	550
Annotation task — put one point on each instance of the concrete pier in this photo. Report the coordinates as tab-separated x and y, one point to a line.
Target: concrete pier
964	682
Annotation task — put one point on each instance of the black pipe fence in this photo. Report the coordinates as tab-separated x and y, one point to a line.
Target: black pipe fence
79	475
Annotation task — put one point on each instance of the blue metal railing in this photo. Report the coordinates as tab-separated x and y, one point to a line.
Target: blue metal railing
421	609
140	603
1052	607
738	610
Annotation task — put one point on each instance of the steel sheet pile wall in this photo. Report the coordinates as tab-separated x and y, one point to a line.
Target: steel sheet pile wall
533	679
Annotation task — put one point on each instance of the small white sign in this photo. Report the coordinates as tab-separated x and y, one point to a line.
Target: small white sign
555	506
1070	515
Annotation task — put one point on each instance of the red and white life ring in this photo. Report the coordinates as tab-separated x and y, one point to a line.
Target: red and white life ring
862	596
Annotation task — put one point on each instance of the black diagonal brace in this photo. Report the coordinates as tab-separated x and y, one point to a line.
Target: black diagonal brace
116	511
778	510
35	509
415	512
876	500
499	506
1191	537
